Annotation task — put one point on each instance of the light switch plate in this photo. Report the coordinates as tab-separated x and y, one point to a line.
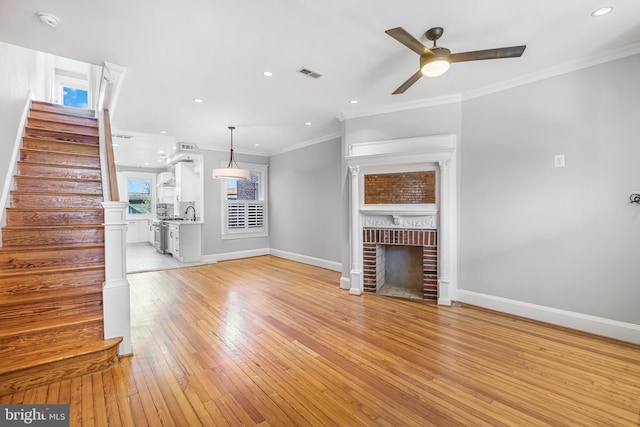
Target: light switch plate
558	161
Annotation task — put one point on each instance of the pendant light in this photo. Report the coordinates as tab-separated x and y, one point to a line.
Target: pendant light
232	171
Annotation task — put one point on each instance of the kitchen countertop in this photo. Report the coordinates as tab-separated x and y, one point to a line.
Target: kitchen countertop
182	222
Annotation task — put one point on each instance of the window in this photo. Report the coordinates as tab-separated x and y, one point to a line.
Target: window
244	205
73	97
72	89
139	189
139	196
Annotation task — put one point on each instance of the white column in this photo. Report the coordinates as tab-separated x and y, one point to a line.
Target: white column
357	286
115	292
444	235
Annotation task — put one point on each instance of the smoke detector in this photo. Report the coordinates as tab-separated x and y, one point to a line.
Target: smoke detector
49	19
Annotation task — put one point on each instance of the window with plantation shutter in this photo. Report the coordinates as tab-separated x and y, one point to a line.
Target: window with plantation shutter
236	215
244	205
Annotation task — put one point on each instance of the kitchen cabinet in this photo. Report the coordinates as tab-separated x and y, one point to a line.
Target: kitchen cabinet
186	183
137	230
184	240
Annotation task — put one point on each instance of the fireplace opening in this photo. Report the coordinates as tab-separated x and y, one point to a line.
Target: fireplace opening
403	272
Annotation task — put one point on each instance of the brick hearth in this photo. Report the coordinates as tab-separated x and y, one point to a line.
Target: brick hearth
373	238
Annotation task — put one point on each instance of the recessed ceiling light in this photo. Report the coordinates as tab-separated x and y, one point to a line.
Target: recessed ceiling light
146	163
198	100
115	144
49	19
602	11
161	152
267	73
354	101
256	145
159	160
308	124
163	131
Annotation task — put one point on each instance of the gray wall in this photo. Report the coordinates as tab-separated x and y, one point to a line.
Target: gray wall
20	70
212	241
560	237
305	201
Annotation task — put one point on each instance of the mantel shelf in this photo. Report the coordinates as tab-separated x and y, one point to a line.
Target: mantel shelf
399	210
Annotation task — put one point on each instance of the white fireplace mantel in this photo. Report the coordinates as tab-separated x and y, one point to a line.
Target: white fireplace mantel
427	153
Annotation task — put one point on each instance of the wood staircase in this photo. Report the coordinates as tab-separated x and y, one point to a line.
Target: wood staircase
52	255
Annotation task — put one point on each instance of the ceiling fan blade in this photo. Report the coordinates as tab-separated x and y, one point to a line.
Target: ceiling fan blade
408	40
410	81
503	52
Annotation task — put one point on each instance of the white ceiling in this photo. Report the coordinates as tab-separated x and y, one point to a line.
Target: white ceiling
175	51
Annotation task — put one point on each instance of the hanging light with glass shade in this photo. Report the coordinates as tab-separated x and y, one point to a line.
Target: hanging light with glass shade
232	171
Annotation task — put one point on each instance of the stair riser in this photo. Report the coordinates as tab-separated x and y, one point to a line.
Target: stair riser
62	127
58	158
51	237
31	169
62	118
50	281
22	218
45	200
85	305
60	146
60	186
35	340
15	260
23	379
60	136
60	109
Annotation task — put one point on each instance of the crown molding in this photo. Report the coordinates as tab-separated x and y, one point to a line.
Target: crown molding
314	141
568	67
554	71
412	105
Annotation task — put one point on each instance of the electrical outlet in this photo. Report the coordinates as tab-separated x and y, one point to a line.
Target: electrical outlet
558	161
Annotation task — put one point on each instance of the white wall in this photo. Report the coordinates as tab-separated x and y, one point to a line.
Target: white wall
305	201
566	238
20	70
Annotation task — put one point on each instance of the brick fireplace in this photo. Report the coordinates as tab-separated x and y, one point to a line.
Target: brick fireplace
374	244
403	200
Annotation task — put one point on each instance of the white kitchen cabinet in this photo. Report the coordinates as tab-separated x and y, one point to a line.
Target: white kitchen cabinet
137	230
184	240
186	183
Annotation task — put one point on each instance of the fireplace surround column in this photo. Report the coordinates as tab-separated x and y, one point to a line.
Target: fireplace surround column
444	237
357	286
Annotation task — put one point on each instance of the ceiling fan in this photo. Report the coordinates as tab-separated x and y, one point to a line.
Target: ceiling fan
436	60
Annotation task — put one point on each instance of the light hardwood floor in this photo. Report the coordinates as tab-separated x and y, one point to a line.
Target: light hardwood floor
270	342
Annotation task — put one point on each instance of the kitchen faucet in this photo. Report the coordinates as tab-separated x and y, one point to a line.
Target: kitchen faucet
194	211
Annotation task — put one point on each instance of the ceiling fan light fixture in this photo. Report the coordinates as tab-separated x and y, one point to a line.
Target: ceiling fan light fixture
435	68
232	171
602	11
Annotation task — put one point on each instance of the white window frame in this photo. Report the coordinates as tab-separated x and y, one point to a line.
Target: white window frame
63	81
245	232
123	186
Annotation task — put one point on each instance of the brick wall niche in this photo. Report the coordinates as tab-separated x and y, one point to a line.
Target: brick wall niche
374	242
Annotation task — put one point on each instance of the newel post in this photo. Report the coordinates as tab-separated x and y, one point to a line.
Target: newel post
115	291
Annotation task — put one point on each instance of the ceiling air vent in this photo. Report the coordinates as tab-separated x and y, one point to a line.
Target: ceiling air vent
309	73
185	146
121	136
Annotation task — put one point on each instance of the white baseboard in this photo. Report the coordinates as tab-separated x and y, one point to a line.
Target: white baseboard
583	322
212	259
318	262
345	282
